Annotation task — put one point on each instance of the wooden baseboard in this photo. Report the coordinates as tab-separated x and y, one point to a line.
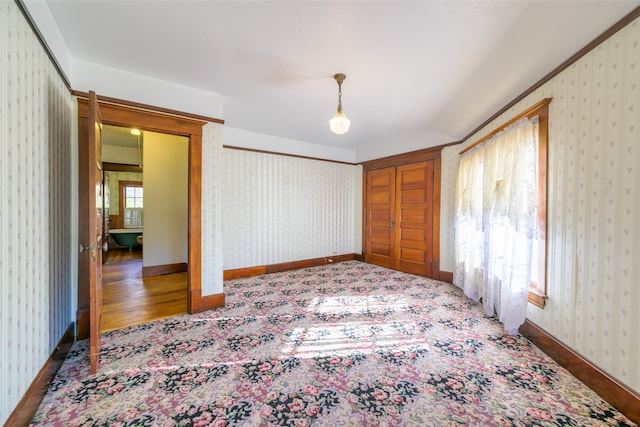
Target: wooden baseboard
239	273
159	270
259	270
623	399
306	263
82	324
28	405
194	303
212	301
446	276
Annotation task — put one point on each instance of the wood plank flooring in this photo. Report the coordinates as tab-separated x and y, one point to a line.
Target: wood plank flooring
128	299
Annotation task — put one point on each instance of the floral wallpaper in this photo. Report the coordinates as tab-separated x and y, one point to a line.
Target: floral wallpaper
280	208
593	214
36	290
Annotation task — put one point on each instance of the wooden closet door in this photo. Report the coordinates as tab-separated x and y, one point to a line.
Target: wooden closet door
414	218
380	210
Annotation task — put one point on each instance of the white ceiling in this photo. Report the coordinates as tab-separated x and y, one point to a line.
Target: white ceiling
419	73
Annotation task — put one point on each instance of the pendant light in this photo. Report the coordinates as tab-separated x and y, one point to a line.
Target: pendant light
339	123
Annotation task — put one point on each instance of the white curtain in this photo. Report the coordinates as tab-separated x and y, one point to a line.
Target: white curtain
496	206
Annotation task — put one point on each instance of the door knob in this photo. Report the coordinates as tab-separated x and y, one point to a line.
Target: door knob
392	223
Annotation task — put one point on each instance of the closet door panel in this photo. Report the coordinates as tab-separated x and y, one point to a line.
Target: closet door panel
414	213
381	199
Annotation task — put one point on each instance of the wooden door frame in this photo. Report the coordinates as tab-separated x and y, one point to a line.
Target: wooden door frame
123	115
427	154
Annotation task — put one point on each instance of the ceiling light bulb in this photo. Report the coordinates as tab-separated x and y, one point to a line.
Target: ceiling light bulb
339	123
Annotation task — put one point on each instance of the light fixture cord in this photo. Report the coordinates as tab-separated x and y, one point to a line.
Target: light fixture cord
339	97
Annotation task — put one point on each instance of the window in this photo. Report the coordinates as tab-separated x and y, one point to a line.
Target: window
501	217
538	291
131	204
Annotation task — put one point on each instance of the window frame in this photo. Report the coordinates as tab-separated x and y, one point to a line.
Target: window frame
122	196
538	293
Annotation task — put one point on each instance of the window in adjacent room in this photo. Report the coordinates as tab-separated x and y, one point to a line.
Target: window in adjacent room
131	204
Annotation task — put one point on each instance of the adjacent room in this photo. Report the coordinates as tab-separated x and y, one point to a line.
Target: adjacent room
141	285
320	213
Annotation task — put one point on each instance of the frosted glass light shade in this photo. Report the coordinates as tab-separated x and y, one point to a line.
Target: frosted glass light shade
339	123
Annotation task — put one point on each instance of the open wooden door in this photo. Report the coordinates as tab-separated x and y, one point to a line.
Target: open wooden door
90	223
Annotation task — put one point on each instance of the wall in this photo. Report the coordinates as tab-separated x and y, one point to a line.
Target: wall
262	208
448	166
280	208
257	141
593	215
145	90
166	190
212	182
36	291
121	155
114	187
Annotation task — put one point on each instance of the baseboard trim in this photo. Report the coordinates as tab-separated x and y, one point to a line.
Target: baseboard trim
160	270
212	301
306	263
445	276
28	405
623	399
194	303
239	273
82	324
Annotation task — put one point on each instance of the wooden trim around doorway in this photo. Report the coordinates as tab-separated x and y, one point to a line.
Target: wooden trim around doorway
210	302
140	106
146	120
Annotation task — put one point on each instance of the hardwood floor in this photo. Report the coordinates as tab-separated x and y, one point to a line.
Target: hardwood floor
128	299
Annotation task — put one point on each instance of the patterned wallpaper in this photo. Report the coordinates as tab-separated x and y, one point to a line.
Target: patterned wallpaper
279	208
212	176
449	165
36	293
594	205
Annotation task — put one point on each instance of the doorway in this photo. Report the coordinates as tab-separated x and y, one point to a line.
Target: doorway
145	225
118	114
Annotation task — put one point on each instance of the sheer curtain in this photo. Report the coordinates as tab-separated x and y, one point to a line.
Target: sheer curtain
496	202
